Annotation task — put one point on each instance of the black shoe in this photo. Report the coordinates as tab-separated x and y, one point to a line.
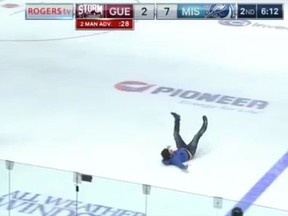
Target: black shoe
205	119
175	115
205	123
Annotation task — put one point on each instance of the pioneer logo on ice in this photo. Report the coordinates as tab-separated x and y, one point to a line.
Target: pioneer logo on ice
194	97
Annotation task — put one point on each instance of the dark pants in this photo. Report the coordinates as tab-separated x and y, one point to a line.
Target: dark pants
192	146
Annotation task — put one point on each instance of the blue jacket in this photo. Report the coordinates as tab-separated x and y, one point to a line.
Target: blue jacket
179	156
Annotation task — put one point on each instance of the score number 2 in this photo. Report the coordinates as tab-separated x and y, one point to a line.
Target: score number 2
144	9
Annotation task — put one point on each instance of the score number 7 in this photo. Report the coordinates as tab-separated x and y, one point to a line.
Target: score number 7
167	10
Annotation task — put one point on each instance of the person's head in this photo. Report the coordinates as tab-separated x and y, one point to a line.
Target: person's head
166	153
237	211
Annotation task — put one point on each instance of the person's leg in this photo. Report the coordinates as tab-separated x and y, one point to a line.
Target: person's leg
178	139
192	146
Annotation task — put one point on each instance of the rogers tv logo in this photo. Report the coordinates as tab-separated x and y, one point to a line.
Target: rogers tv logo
194	97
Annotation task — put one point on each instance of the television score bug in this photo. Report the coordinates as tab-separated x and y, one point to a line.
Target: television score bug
97	16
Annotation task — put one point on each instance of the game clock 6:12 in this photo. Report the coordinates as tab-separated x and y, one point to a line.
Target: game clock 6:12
269	11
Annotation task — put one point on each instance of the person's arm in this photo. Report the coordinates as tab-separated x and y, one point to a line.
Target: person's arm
166	162
179	164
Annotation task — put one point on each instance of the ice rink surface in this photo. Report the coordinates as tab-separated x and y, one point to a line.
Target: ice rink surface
60	107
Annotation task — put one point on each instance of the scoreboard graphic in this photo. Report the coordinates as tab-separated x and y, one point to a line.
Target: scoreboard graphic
99	16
